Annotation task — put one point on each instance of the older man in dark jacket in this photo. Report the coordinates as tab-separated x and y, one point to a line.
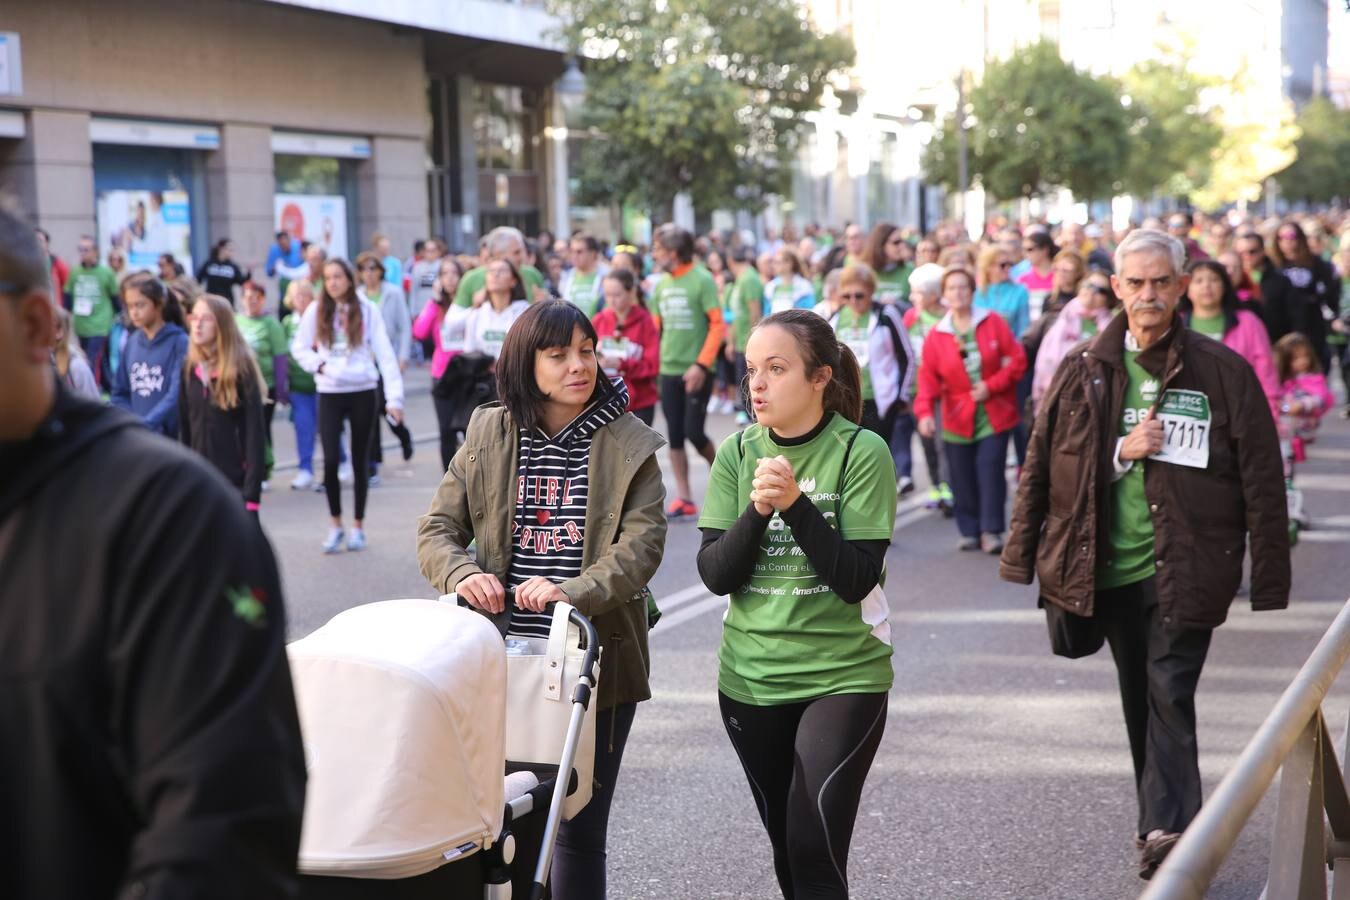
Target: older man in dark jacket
1153	459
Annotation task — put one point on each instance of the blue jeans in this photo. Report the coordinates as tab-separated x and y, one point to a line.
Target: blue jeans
94	349
304	414
979	487
902	448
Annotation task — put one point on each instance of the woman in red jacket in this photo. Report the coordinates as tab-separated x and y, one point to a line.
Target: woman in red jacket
630	344
971	364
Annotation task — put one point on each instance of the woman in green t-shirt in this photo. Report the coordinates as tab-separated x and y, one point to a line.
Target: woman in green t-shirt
798	517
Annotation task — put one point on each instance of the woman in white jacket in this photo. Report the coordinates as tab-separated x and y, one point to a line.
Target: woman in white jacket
342	340
877	336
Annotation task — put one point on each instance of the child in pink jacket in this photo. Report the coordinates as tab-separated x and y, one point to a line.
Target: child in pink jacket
1304	394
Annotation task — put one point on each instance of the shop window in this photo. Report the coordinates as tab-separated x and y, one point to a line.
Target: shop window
315	201
150	201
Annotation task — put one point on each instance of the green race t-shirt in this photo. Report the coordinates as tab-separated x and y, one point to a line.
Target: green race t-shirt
786	636
683	305
92	291
855	331
747	295
1131	528
973	368
584	291
475	280
1087	326
267	339
1210	326
299	381
923	323
893	284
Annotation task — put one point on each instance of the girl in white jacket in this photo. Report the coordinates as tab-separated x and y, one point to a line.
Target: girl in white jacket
342	340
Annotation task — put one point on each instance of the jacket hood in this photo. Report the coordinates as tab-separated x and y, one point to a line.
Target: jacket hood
167	336
596	416
977	315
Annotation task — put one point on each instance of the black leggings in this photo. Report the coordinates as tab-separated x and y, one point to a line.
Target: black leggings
646	415
806	764
445	414
360	407
685	412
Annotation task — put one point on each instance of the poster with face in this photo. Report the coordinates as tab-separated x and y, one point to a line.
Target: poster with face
145	225
317	218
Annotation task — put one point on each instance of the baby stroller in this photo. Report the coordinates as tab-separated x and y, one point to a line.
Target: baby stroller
407	726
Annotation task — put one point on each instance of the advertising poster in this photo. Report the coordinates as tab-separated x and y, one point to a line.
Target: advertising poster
318	218
146	224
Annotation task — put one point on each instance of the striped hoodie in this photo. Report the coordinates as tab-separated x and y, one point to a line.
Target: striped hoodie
552	486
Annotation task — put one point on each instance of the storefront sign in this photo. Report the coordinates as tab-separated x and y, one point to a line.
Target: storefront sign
301	143
11	66
147	133
318	218
146	224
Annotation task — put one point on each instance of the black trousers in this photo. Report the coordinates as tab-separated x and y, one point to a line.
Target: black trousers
359	407
445	414
401	431
806	764
1158	666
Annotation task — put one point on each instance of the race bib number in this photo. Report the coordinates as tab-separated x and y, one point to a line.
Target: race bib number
84	306
1185	419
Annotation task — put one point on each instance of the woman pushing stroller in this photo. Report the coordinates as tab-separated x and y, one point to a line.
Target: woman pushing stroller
584	525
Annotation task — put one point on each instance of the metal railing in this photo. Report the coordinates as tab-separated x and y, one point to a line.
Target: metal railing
1312	818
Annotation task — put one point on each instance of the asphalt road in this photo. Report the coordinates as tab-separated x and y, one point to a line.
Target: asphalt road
1004	771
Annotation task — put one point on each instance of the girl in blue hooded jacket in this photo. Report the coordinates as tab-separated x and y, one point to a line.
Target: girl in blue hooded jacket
146	383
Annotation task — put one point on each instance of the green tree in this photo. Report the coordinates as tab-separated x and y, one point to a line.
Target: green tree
1174	135
1321	171
1036	123
695	96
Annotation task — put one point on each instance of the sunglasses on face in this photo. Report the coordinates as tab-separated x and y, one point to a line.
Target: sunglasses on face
895	242
368	267
853	295
1005	265
1288	236
1249	252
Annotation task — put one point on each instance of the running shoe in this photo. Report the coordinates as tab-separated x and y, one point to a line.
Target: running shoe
991	543
934	500
265	486
679	509
373	480
345	473
904	486
303	481
356	541
945	492
334	542
968	544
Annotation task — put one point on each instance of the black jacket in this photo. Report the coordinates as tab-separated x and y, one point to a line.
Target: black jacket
219	278
149	744
232	439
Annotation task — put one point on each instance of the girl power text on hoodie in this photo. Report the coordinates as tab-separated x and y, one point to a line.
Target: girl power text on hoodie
147	381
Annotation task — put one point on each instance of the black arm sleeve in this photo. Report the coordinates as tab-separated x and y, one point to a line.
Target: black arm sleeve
726	558
850	568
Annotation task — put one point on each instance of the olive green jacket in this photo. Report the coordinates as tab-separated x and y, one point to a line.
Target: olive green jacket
624	538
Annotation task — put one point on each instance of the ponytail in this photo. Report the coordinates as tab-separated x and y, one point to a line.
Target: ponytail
820	347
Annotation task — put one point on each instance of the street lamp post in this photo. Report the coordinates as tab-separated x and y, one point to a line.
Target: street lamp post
569	94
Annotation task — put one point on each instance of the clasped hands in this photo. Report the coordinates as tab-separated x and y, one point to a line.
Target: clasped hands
774	486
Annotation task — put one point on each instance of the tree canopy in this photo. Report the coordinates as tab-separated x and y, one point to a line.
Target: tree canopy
1321	172
1173	136
695	96
1036	123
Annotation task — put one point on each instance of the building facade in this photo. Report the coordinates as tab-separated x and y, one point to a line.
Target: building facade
165	126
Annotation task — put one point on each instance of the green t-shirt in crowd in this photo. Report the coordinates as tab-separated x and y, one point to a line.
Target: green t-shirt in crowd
1087	326
854	331
924	322
299	381
893	284
1211	326
974	369
92	291
1131	528
747	295
267	339
584	292
786	636
683	305
475	280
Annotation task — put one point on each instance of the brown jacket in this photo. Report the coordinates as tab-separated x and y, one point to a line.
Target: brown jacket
624	538
1201	518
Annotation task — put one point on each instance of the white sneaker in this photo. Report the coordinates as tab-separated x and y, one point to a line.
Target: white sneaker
373	481
265	486
304	481
345	473
333	543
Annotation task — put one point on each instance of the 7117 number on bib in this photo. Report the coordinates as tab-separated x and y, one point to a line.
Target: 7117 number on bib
1185	418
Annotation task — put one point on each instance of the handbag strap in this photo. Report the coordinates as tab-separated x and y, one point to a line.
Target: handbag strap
558	633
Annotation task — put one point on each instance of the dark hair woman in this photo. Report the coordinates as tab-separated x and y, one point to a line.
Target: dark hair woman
1316	295
1211	307
890	258
559	493
219	274
797	520
148	380
342	342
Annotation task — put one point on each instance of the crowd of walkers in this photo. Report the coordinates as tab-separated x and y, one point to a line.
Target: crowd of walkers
1143	391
